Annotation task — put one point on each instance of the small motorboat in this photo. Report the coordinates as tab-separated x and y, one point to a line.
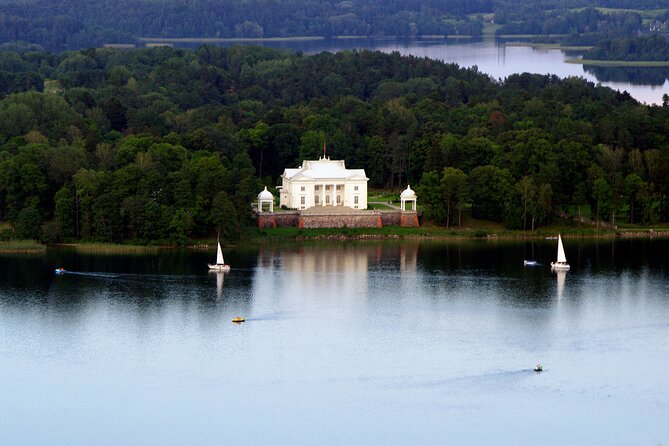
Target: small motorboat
60	270
530	262
538	368
238	320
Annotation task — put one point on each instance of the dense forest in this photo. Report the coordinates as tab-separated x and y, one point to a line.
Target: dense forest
73	24
581	26
166	145
648	48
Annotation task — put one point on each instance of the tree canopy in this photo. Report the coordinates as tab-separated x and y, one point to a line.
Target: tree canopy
162	145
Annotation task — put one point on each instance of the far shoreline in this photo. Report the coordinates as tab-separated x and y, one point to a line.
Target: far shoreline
619	63
286	236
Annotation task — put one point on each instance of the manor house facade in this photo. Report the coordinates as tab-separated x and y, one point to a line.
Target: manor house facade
324	183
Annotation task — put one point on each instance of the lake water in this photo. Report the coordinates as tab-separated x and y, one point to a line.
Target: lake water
494	57
345	343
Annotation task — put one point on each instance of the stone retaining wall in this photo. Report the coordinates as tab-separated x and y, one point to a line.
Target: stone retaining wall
366	220
278	219
359	219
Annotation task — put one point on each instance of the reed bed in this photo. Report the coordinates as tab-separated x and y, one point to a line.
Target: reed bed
22	247
111	248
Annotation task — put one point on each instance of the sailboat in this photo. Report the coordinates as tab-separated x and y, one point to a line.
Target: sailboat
220	263
561	258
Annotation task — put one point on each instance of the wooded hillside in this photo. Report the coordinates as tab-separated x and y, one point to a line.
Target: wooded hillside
163	144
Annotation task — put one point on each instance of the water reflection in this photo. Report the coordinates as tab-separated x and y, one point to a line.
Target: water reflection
220	276
653	76
561	276
388	338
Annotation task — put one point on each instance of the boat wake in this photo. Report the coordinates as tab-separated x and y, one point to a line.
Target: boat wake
102	275
484	379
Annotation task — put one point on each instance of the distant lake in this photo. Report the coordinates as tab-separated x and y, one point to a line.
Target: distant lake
344	343
491	56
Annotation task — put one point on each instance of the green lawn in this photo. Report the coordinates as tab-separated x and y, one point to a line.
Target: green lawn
380	207
383	196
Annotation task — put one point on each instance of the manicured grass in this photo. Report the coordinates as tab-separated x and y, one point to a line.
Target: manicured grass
383	196
381	207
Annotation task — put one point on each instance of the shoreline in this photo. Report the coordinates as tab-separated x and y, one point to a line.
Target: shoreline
344	235
549	46
619	63
203	40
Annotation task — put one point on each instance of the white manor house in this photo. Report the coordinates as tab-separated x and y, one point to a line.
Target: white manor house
326	183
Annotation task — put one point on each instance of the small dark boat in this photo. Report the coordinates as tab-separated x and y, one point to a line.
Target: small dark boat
538	368
238	320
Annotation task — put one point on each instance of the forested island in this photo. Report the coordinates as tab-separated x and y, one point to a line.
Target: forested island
634	49
164	145
75	24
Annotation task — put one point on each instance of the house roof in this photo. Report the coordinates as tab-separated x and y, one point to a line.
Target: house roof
324	169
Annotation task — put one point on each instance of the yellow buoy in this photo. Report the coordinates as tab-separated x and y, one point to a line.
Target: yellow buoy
238	319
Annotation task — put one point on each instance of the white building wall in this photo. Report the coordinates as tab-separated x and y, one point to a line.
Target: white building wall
361	193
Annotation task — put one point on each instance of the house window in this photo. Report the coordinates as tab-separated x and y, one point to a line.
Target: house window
303	200
327	199
355	200
338	199
355	188
302	188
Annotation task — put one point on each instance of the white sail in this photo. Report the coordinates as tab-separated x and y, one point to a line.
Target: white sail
219	255
561	258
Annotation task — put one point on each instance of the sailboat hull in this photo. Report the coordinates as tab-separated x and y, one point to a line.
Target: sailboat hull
217	267
560	266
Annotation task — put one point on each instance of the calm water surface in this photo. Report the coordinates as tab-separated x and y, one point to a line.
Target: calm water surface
366	343
494	57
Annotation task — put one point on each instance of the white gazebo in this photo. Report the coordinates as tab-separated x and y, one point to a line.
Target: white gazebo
408	196
323	183
265	197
